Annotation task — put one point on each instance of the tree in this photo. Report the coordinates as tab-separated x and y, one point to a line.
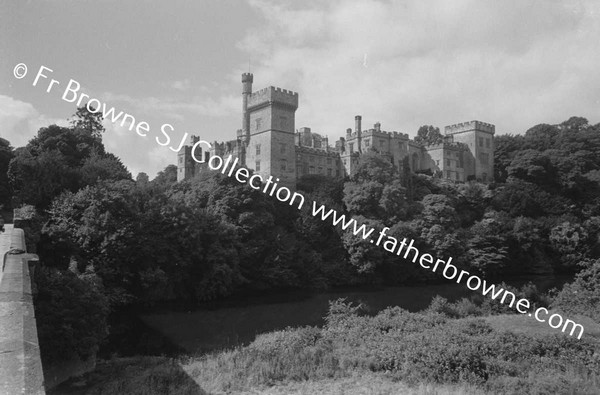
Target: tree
429	135
88	121
166	177
103	167
373	167
71	314
532	166
582	296
142	178
438	210
6	154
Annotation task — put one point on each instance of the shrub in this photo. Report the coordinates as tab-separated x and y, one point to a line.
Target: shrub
582	296
71	315
286	341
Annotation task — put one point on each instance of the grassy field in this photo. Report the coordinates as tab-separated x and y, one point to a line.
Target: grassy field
395	352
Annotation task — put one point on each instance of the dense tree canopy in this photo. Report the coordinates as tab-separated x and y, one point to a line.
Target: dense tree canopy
144	242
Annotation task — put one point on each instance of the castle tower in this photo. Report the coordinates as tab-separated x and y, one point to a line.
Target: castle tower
247	79
271	148
479	136
185	163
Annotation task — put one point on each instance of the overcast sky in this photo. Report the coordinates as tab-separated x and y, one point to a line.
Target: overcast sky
513	63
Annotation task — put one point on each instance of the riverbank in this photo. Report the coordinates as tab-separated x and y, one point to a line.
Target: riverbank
394	352
231	323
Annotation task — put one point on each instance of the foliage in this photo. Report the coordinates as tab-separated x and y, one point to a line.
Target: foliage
429	135
582	296
60	159
71	314
89	122
6	154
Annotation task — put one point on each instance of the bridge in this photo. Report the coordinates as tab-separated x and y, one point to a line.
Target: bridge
20	362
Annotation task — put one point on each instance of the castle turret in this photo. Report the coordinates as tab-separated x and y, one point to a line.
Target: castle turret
358	129
247	79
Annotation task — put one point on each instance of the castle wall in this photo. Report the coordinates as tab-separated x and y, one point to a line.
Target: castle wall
268	144
317	161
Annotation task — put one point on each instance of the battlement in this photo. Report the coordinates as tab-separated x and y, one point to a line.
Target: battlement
272	94
376	133
247	77
470	126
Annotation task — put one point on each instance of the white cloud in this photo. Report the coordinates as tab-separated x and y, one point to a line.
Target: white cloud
20	121
513	63
176	108
181	85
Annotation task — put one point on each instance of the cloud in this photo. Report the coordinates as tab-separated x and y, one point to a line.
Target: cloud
139	154
182	85
20	121
177	108
513	63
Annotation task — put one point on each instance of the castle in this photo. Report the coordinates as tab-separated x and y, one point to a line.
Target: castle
269	144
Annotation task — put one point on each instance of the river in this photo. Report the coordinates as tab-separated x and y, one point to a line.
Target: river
230	323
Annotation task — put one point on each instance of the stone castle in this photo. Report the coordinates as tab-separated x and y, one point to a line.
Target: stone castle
270	144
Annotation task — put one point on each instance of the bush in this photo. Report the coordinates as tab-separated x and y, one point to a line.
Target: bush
71	315
582	296
286	341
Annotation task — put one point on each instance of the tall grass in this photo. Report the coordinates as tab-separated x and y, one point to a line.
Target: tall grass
392	352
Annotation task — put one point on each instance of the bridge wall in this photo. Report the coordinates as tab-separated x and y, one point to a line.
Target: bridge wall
20	363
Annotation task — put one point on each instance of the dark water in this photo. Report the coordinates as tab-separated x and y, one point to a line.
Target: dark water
230	323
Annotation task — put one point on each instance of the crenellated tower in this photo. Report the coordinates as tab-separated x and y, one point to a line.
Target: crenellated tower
479	138
271	147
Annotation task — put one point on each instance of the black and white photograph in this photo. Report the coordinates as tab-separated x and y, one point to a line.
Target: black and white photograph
345	197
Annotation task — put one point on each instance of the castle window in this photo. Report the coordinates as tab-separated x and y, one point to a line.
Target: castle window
311	170
328	161
437	162
367	143
484	158
351	147
283	165
448	172
480	139
381	143
448	162
320	170
258	123
282	147
487	143
329	172
257	149
337	173
180	159
257	165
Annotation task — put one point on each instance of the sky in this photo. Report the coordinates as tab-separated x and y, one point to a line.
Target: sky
513	63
